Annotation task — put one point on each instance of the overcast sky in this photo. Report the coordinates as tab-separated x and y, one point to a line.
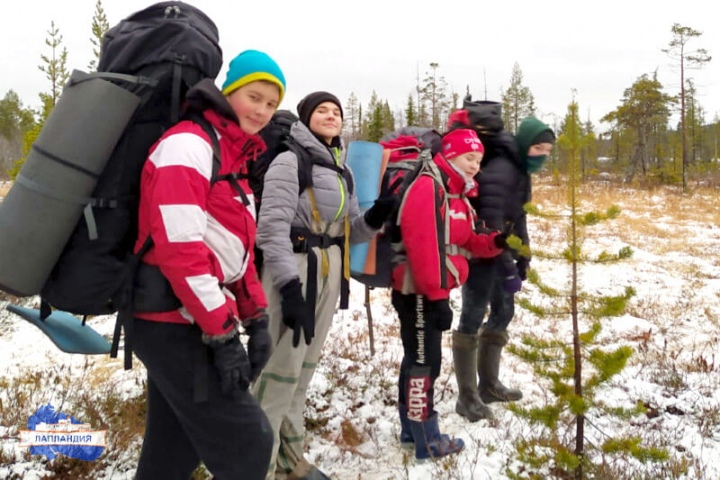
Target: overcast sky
597	49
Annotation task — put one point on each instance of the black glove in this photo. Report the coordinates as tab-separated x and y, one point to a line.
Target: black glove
259	344
231	361
523	263
381	210
295	312
441	313
500	240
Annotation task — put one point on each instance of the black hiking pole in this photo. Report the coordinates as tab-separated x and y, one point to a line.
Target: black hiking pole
368	309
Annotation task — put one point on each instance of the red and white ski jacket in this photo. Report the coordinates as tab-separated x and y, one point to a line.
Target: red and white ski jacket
203	235
422	230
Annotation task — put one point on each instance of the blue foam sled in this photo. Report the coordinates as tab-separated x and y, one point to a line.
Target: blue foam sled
66	331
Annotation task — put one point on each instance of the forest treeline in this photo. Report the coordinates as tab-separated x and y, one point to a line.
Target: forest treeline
636	141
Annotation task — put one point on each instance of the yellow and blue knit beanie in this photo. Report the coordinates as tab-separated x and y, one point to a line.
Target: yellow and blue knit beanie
251	66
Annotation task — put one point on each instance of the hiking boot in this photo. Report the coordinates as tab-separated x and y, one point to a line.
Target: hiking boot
490	347
469	404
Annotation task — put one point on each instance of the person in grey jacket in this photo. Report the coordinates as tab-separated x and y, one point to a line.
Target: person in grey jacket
305	237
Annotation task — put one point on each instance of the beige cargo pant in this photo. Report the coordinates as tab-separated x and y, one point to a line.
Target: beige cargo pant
282	387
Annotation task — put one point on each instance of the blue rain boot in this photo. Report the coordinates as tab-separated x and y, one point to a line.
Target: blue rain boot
406	436
430	443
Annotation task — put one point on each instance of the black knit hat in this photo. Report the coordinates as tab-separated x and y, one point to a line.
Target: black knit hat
311	101
546	136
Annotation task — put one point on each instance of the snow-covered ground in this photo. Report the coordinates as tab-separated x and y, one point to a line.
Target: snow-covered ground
672	324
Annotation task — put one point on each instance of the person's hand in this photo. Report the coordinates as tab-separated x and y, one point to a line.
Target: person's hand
381	210
441	313
523	264
296	313
259	343
231	362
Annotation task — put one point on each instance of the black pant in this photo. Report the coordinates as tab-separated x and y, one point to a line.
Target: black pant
483	289
422	350
230	434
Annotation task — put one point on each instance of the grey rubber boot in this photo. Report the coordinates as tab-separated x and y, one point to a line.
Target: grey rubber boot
490	347
469	404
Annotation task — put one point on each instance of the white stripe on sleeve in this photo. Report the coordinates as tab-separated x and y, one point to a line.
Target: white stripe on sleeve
185	150
183	223
206	289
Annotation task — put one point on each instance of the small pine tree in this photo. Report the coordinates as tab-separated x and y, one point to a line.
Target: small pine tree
100	25
576	370
410	112
352	121
518	101
55	69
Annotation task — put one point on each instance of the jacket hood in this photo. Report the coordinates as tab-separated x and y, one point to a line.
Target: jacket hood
205	95
501	144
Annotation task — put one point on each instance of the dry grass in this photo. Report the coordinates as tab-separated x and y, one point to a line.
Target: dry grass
4	188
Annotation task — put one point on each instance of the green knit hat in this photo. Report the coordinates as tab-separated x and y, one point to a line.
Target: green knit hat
251	66
530	132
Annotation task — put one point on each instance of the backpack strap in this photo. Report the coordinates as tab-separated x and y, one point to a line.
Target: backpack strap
202	122
124	319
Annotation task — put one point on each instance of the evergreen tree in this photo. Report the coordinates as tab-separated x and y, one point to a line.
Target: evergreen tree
434	95
411	118
374	124
687	59
54	67
518	101
586	146
388	118
14	117
694	123
644	112
100	25
15	120
351	120
566	443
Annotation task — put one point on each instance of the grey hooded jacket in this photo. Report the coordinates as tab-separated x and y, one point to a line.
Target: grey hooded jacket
282	207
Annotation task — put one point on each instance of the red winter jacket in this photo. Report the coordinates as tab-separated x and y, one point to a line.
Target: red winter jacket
203	234
421	229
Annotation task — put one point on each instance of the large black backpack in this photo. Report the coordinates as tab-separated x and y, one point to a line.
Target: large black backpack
157	53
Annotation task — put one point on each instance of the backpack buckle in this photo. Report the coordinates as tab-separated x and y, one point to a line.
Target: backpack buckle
300	244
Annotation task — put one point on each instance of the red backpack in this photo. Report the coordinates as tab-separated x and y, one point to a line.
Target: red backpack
409	151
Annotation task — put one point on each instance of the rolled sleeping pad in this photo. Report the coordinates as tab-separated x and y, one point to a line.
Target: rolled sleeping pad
57	179
365	160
